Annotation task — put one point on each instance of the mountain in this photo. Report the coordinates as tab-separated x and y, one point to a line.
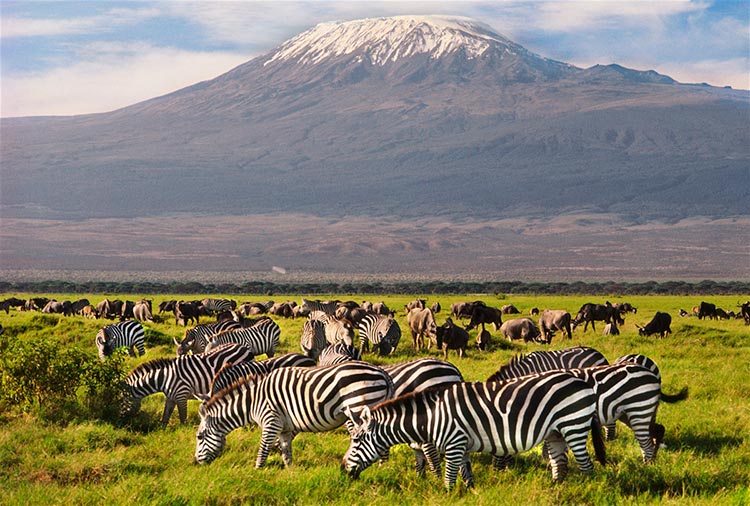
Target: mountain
411	117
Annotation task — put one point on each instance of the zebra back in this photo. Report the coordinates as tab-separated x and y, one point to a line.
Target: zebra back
642	360
382	332
128	334
338	354
328	307
542	361
421	374
229	373
197	338
218	305
262	338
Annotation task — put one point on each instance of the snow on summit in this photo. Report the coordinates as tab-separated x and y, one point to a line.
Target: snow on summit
384	40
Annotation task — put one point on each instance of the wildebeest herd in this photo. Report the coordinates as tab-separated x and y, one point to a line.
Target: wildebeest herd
554	398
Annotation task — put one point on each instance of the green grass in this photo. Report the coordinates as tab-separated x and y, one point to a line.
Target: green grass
707	459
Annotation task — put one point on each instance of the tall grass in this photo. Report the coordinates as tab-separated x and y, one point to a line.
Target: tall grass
706	461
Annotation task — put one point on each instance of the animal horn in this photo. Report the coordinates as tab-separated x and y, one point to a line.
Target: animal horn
175	341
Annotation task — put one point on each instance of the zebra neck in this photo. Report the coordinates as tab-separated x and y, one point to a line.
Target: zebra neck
149	382
235	409
406	422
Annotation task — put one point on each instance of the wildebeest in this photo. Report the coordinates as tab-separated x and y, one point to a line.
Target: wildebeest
461	309
521	328
509	309
552	320
484	340
89	312
11	302
126	313
78	305
421	324
589	313
481	314
534	311
65	307
659	324
185	312
381	308
415	304
706	310
451	337
745	312
284	309
142	311
435	307
167	306
721	314
625	307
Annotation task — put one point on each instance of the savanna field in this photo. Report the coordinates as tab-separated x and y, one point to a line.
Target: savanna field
73	452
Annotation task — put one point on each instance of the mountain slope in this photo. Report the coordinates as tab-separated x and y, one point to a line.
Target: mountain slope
406	116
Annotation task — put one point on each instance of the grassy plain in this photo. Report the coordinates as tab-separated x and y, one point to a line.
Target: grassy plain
706	461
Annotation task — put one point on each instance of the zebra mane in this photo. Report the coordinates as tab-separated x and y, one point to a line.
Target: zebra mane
238	383
428	394
152	365
498	375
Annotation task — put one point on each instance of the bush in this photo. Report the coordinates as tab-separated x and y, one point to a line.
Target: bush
42	377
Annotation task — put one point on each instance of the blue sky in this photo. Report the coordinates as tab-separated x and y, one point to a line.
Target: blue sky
74	57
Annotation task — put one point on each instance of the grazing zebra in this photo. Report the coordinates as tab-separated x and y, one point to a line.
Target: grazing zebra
126	334
336	331
541	361
496	418
179	378
197	338
641	360
381	331
288	401
328	307
261	338
630	393
230	373
218	305
338	354
313	339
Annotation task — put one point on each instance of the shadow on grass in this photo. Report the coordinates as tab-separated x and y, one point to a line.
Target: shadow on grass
704	444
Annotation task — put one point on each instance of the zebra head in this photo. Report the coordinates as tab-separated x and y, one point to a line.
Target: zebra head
104	344
365	448
208	443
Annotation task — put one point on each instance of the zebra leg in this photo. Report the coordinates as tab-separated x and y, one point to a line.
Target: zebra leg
169	406
501	462
432	455
285	445
466	474
610	431
182	410
648	448
269	432
455	455
558	456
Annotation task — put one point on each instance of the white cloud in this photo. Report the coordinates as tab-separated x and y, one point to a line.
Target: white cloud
14	26
103	83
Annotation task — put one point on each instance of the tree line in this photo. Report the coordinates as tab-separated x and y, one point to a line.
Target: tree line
705	287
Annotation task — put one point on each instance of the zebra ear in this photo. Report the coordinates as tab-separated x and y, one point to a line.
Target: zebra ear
352	416
365	416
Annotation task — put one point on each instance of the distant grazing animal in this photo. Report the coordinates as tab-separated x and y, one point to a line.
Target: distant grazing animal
283	309
422	325
381	308
229	372
435	307
684	313
745	312
185	312
534	311
252	309
721	314
589	313
126	312
142	311
482	314
328	307
461	309
65	307
449	336
179	378
552	320
167	306
212	306
496	418
706	310
659	324
382	332
89	312
416	304
611	329
509	309
126	334
484	340
262	338
625	307
521	328
288	401
77	306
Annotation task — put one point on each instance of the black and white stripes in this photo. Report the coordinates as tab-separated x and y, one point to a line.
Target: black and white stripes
126	334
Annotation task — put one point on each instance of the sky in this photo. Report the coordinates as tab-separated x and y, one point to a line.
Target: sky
69	57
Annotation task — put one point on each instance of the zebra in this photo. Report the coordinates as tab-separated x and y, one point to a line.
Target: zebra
218	305
541	361
337	354
197	338
328	307
179	378
380	331
313	339
288	401
260	338
496	418
336	331
630	393
415	376
128	334
230	373
641	360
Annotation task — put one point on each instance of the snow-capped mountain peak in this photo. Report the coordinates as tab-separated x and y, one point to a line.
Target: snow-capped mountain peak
383	40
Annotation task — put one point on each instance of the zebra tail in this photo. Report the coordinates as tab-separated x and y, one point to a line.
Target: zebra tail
596	436
681	396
